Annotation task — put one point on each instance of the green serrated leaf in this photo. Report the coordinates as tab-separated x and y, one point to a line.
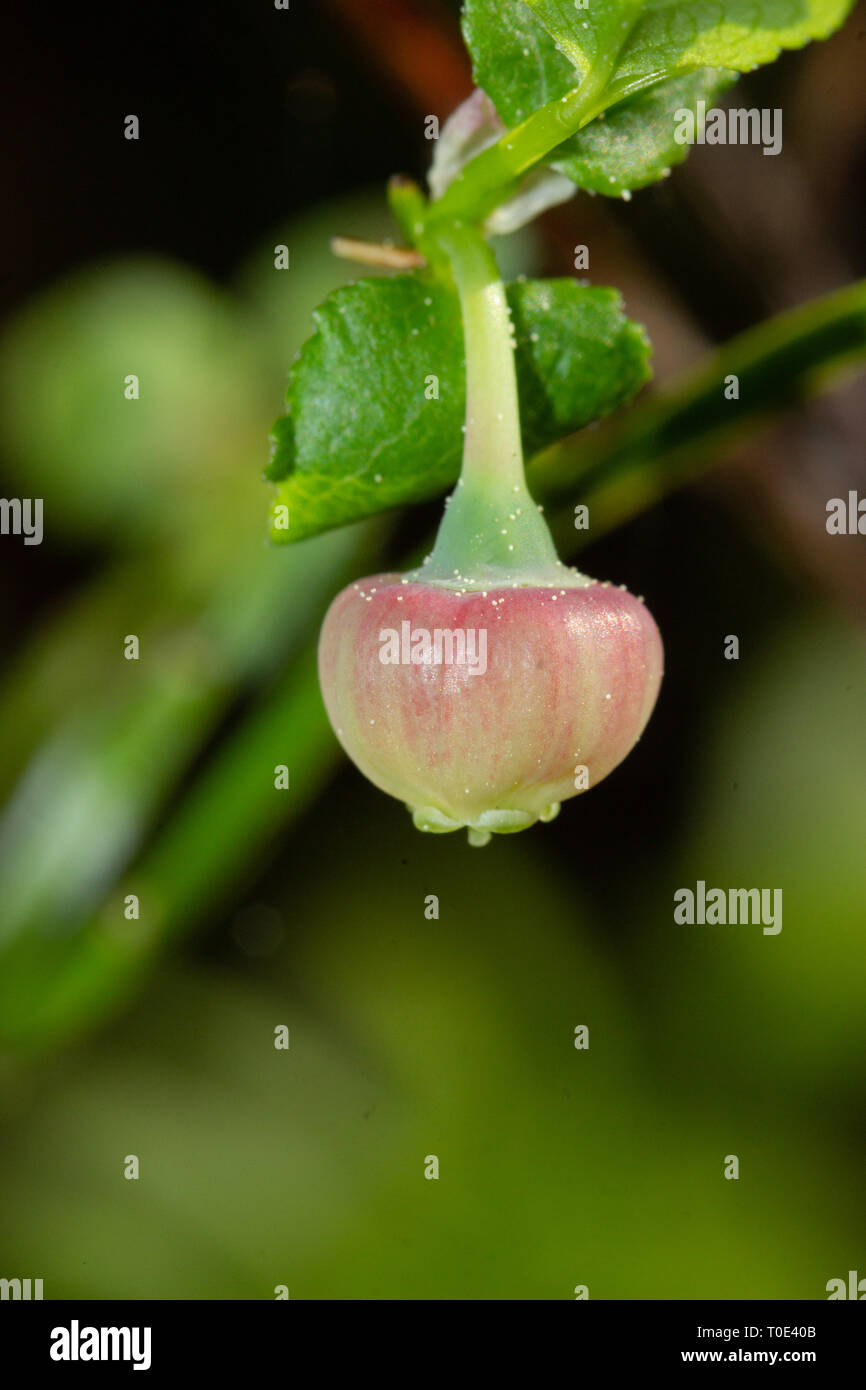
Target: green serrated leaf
632	38
519	66
357	399
578	357
529	53
514	59
376	400
633	145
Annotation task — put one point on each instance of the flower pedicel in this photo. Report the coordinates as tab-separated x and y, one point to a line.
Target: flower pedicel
494	682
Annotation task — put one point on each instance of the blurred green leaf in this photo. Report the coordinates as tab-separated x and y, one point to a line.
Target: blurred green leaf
780	803
85	803
128	469
97	747
668	440
76	956
409	1037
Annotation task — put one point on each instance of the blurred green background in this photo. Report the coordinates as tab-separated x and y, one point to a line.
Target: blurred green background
306	908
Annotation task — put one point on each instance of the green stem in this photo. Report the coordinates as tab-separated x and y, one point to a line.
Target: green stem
494	175
491	532
492	447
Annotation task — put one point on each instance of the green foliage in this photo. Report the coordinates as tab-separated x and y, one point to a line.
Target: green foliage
520	67
525	60
100	458
669	439
633	144
376	401
99	746
635	38
364	431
